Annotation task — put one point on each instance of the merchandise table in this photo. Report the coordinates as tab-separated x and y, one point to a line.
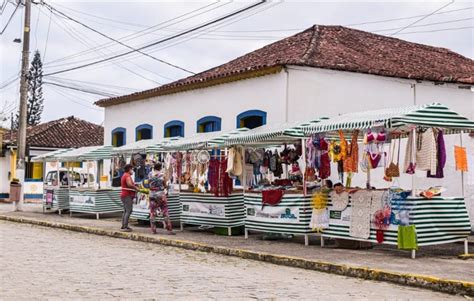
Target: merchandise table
141	211
55	198
205	209
94	201
291	216
438	220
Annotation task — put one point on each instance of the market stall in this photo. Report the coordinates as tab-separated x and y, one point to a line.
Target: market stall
148	148
274	193
93	196
206	191
392	166
55	191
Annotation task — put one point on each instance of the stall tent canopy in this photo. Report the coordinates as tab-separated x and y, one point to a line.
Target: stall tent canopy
51	156
135	147
429	115
272	133
90	153
159	146
204	140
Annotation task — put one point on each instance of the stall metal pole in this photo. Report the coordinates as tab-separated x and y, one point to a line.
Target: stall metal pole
244	174
462	172
413	150
88	178
303	168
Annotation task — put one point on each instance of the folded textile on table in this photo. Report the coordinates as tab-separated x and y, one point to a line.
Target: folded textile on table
272	197
407	238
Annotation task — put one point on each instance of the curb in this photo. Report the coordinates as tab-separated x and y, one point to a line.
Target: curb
466	256
420	281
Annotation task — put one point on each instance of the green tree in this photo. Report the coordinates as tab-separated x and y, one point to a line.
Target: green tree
35	93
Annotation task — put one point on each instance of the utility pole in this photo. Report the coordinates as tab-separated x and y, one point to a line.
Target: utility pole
21	139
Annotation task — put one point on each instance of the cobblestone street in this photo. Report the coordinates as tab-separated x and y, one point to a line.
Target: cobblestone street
42	263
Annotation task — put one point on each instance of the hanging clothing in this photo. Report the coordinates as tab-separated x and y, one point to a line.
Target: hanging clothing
319	219
361	202
325	161
460	157
426	156
272	197
234	161
410	159
221	183
441	156
407	238
351	163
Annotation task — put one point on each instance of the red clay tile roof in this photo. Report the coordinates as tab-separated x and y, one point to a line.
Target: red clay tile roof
62	133
331	47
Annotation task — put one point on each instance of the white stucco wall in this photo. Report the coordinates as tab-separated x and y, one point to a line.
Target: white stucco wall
225	101
308	93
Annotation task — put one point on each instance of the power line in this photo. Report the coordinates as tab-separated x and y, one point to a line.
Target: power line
163	40
116	41
68	97
47	36
437	30
84	42
428	24
143	32
421	19
80	89
11	17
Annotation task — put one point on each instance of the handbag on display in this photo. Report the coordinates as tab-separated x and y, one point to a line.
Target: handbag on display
393	170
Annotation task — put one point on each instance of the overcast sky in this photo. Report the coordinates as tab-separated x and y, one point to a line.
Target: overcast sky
68	44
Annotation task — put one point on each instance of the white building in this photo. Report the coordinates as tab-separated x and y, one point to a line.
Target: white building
322	71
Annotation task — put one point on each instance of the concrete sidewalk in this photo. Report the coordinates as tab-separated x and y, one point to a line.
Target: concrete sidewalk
436	267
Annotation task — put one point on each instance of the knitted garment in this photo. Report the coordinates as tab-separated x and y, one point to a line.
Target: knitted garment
360	217
221	183
319	219
460	157
339	201
426	153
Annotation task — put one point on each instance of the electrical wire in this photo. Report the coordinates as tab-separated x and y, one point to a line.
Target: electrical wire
84	42
152	28
163	40
47	37
68	97
116	41
438	30
11	17
81	89
421	19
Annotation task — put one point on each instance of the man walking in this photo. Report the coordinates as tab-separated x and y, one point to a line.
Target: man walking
127	195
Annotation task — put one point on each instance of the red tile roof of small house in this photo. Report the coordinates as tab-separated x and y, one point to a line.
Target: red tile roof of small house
69	132
329	47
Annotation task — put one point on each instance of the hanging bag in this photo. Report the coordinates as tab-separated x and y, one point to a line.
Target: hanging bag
393	170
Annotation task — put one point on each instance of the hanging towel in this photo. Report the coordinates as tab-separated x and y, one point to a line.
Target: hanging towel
407	238
460	157
426	156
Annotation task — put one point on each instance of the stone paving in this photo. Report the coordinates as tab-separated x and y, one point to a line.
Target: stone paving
437	261
44	263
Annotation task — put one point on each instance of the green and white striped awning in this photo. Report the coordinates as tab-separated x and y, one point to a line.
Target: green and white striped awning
203	140
430	115
270	134
134	147
51	156
89	153
159	146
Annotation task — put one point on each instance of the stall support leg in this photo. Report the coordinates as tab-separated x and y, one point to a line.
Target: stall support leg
70	213
322	241
466	243
229	231
97	215
181	226
246	234
413	254
306	240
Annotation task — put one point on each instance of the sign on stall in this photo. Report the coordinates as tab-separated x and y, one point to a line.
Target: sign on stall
83	200
204	209
277	214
